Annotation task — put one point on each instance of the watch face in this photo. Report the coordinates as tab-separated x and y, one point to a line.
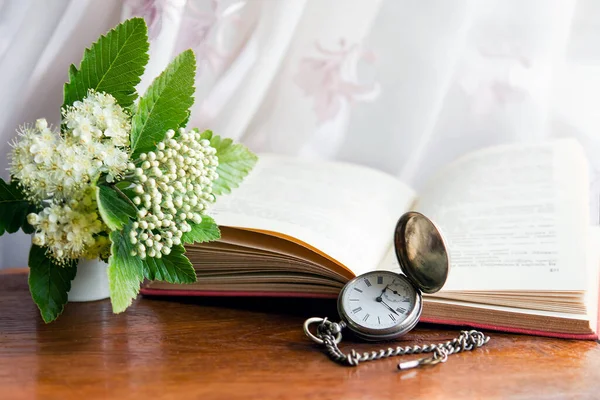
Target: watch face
380	302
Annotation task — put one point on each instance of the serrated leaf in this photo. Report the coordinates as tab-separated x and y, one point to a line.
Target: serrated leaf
114	209
14	208
114	64
125	272
173	268
49	283
235	162
205	231
165	105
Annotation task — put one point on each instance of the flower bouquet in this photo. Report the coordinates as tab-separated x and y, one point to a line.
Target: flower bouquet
122	179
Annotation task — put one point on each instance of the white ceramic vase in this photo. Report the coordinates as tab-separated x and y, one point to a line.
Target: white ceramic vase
91	281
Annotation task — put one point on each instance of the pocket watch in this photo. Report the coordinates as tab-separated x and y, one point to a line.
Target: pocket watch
384	305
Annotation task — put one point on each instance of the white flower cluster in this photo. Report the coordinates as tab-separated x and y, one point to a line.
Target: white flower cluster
59	169
70	230
98	117
173	187
49	165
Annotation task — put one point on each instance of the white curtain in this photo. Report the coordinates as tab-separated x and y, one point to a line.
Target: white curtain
404	86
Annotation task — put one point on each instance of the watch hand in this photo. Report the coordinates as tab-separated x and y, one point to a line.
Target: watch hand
378	298
384	289
389	308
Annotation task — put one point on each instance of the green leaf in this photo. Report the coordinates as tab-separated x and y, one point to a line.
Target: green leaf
123	185
165	105
235	162
114	209
173	268
184	123
114	64
205	231
49	283
125	272
13	208
126	188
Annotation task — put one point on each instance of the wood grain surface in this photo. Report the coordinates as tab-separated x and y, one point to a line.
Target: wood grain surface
229	349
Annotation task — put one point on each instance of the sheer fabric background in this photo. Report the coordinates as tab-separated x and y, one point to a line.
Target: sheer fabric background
400	85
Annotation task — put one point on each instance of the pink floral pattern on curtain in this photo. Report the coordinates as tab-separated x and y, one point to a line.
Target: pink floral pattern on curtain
152	11
495	76
331	78
206	27
206	31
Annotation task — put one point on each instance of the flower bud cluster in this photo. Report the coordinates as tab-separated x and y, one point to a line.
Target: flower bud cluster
70	230
173	187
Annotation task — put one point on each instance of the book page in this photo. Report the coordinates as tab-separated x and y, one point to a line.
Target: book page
515	217
346	211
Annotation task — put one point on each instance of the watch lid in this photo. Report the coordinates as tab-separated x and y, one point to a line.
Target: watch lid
421	252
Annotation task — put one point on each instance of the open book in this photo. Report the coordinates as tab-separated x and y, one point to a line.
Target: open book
515	218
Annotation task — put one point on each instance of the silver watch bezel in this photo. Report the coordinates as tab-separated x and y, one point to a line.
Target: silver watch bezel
401	328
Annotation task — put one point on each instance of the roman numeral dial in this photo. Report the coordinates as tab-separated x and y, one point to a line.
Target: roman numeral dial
378	300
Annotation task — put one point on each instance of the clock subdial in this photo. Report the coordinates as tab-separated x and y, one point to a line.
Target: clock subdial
398	292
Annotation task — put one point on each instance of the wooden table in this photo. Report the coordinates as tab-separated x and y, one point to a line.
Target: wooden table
228	348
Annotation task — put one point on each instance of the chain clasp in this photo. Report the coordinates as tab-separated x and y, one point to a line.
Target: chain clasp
324	327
